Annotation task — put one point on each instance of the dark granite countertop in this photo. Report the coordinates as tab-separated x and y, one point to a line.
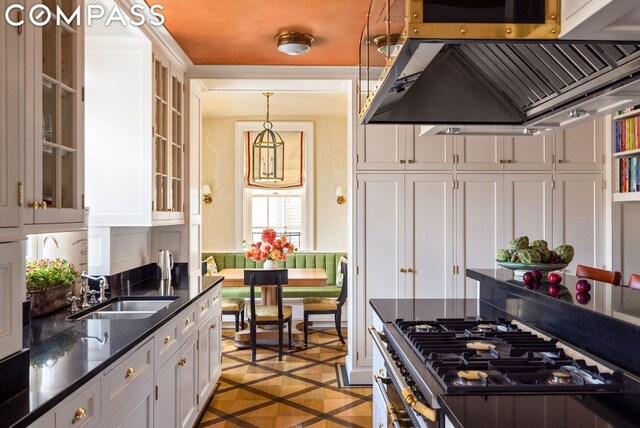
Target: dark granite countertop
390	310
66	354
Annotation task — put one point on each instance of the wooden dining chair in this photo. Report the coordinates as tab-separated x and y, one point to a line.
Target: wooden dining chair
634	281
277	314
610	276
234	306
317	305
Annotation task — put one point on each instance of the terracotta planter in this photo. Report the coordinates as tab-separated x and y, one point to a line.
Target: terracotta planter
46	301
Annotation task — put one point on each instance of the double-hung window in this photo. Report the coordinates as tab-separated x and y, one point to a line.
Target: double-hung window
281	210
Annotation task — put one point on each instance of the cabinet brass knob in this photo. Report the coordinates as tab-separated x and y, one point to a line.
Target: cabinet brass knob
212	326
187	321
43	205
203	307
403	270
509	161
560	160
402	161
35	205
79	414
182	362
167	339
501	160
410	270
130	372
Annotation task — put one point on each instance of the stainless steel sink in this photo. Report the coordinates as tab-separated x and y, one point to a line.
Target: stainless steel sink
117	315
126	308
136	306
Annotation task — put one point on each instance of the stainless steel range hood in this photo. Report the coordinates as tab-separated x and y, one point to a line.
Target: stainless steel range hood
516	74
505	83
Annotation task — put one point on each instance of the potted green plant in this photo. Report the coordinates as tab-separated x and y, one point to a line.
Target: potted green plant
49	282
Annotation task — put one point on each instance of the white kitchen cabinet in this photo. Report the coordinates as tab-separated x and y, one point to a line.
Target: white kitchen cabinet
479	152
577	217
209	356
531	152
528	200
12	293
380	242
400	147
54	154
405	236
177	398
580	148
600	19
497	153
82	409
428	236
479	227
168	144
137	411
11	124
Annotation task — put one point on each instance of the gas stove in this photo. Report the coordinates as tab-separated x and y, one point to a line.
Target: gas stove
497	356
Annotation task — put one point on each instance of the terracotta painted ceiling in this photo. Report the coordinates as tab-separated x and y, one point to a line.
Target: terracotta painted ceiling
242	31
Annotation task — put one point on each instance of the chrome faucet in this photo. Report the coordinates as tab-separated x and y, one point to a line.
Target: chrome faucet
104	285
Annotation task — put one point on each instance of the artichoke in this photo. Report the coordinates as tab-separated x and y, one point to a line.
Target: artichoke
514	258
519	243
540	243
528	256
545	253
564	253
503	255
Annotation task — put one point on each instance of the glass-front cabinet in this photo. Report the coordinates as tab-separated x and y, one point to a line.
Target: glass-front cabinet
168	142
10	125
54	160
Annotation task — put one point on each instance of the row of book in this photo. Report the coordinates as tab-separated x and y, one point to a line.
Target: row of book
629	180
627	132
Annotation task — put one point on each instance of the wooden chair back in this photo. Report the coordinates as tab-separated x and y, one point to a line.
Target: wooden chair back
265	277
634	281
612	277
345	284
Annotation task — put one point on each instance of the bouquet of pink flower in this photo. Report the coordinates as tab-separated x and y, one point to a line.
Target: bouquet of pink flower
269	247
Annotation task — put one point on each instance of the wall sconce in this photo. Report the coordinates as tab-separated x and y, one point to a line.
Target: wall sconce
206	194
339	196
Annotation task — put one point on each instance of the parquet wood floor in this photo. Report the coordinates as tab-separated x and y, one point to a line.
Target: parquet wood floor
299	391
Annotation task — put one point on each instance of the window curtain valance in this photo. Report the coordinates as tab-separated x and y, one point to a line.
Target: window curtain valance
293	161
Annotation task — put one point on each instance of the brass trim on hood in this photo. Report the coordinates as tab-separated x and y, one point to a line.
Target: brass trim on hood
418	29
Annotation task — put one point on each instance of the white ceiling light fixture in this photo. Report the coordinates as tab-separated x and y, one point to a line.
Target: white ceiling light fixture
578	112
388	44
293	43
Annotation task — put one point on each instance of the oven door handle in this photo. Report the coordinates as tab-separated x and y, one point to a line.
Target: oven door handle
408	397
391	410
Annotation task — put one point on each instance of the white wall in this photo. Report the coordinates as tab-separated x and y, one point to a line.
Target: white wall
219	169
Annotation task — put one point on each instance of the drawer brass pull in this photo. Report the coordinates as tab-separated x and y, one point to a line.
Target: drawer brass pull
215	297
212	326
130	372
187	321
182	362
203	307
80	413
167	339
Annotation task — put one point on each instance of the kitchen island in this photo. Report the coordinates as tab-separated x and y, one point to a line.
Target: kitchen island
68	354
501	296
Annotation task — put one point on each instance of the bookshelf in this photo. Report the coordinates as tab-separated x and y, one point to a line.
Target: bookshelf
626	155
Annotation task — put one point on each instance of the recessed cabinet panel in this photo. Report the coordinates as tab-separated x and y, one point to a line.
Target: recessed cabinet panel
579	148
480	226
12	278
429	236
528	207
577	217
380	220
528	152
428	152
479	152
380	147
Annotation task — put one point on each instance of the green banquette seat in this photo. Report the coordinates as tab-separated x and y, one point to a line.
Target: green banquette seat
327	261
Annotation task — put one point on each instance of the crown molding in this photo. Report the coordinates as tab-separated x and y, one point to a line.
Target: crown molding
272	72
159	36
